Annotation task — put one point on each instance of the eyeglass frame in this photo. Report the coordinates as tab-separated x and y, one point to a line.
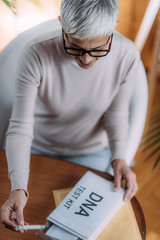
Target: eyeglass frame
83	51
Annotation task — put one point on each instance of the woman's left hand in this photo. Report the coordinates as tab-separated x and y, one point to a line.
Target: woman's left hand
122	171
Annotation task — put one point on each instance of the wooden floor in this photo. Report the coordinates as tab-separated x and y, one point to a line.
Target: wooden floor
149	182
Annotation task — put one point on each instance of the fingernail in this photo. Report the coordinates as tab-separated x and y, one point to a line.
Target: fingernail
126	199
115	189
22	222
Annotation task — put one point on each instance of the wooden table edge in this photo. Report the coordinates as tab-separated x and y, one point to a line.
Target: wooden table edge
135	203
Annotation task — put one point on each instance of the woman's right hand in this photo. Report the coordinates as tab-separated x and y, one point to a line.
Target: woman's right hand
12	209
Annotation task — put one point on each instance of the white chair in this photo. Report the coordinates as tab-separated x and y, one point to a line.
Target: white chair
8	64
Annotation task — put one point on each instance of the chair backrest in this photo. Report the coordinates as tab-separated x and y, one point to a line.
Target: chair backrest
137	113
8	65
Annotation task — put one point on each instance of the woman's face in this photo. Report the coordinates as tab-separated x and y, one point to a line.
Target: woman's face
86	61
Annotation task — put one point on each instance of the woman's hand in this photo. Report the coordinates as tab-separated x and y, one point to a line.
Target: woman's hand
122	171
12	210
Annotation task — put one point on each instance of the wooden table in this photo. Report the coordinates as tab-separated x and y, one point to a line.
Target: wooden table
46	175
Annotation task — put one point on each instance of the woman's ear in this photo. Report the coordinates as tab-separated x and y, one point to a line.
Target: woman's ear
117	22
59	18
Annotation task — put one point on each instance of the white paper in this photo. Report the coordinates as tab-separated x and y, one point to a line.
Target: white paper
57	233
88	207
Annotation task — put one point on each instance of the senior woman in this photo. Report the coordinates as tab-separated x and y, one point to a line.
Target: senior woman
71	100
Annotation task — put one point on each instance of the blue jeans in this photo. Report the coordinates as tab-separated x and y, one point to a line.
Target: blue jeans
99	160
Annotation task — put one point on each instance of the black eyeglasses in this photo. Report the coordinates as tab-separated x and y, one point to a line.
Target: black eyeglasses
81	51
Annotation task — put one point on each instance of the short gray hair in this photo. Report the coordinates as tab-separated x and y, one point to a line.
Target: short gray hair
87	19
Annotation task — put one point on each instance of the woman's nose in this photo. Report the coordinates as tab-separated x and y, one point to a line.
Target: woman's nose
86	58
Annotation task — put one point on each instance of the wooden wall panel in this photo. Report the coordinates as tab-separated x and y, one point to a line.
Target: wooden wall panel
131	13
125	18
147	52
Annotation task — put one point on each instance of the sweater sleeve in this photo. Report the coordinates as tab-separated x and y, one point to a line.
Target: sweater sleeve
20	131
115	119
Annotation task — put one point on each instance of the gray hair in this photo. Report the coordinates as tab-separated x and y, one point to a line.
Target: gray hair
87	19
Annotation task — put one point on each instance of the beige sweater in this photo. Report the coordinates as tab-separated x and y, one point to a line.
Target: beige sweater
68	110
